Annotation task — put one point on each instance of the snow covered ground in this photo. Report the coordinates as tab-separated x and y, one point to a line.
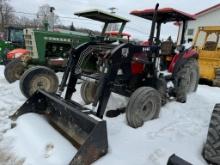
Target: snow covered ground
181	129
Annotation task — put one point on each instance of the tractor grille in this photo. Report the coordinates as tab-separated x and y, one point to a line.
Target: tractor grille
28	43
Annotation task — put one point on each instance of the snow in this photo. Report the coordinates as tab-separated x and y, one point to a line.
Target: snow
35	138
180	129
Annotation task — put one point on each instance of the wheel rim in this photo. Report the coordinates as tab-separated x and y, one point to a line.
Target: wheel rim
18	72
40	82
147	110
90	90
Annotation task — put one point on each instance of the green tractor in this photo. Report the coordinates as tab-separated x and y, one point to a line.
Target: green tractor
11	38
42	48
50	49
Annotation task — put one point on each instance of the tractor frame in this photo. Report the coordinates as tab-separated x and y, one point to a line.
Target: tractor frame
141	65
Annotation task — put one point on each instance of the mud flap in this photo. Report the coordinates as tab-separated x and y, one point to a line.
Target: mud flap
85	131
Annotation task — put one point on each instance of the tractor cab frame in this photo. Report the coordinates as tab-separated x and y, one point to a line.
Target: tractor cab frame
15	35
164	15
106	40
167	48
105	18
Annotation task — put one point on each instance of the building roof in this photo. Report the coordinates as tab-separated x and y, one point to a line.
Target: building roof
208	10
163	14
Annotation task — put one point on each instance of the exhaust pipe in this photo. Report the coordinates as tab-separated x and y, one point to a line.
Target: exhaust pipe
85	131
152	31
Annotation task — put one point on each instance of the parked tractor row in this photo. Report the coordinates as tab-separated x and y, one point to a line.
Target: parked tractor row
131	70
149	75
51	48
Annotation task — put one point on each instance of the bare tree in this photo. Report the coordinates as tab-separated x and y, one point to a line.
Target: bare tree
27	22
23	21
44	13
6	14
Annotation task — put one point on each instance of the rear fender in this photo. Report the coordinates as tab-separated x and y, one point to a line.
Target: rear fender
191	53
172	64
180	59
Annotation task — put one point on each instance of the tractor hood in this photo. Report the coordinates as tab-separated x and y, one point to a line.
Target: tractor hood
17	53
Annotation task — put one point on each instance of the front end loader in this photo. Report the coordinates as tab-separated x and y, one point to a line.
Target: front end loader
82	126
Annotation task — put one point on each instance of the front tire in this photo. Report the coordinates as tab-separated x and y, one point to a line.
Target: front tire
14	70
144	105
38	77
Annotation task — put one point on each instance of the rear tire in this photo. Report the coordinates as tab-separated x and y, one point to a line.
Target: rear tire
144	105
186	79
194	75
211	150
88	91
38	77
13	70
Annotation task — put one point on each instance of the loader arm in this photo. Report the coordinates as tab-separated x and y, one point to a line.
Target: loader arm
74	70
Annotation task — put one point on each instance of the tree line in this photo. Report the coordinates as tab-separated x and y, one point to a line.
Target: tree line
9	17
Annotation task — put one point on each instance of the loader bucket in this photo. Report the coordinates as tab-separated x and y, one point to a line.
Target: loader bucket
85	131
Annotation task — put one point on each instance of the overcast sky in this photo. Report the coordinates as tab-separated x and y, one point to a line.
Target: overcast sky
139	28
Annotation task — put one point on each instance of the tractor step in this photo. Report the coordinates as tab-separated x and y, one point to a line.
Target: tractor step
85	131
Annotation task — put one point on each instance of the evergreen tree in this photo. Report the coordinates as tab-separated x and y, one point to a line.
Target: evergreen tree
72	28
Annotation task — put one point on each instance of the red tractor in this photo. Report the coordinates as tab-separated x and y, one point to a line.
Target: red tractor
142	70
158	69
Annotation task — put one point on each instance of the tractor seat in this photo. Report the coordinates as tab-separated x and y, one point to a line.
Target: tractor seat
210	45
167	48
